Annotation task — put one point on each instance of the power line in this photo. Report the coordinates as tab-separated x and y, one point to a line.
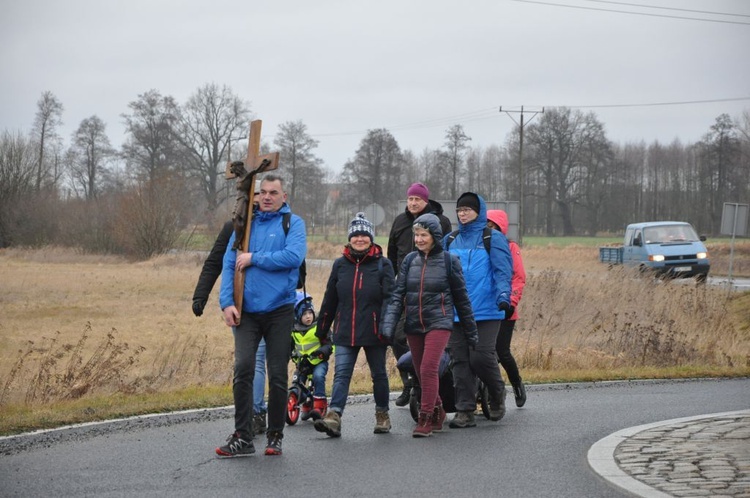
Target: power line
633	13
491	113
669	8
656	104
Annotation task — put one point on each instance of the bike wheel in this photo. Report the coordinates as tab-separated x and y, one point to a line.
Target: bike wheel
292	408
483	399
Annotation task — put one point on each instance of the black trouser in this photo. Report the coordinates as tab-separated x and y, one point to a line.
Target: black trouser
468	364
502	347
276	328
400	346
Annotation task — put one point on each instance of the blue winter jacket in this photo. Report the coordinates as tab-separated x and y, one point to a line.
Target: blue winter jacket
271	279
488	276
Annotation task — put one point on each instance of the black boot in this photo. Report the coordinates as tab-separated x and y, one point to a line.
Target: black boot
403	398
519	391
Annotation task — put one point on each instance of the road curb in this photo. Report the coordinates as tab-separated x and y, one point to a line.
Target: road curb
601	455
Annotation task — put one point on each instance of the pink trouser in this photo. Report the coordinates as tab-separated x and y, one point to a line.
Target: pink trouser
426	351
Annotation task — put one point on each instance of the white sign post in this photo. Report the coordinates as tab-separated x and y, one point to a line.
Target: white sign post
734	223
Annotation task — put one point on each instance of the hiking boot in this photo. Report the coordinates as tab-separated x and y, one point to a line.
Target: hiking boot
424	425
497	408
259	423
274	443
519	391
437	419
462	420
237	446
405	396
330	424
382	422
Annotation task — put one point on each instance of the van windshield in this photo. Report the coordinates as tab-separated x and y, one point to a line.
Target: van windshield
669	233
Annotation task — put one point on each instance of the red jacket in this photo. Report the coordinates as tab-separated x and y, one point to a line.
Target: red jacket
499	218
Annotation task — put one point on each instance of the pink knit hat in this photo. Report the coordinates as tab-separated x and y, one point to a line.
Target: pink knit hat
419	190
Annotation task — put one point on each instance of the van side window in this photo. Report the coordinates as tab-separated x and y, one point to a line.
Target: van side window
637	238
629	237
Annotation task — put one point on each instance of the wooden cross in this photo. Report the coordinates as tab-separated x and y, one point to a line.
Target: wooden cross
245	172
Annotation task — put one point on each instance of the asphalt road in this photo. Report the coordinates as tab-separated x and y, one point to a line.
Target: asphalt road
537	451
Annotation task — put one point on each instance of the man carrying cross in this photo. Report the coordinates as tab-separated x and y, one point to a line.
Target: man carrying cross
270	266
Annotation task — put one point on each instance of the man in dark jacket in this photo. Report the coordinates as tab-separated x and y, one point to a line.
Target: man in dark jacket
401	243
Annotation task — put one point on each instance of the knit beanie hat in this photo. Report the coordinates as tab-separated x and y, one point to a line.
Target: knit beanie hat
303	303
361	226
469	200
419	190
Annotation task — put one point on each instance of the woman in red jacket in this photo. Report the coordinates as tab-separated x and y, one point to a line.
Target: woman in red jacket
497	219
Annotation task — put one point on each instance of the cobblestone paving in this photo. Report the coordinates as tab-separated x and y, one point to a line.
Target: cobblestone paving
706	457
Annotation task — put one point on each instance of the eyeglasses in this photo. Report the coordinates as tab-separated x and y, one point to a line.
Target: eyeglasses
463	210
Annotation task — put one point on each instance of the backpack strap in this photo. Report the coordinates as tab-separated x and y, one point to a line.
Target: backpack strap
486	238
451	238
286	222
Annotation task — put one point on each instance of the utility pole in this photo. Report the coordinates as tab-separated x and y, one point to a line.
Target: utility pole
520	165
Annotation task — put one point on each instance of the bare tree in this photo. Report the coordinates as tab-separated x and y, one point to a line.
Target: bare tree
151	146
374	171
150	217
455	144
211	119
48	118
295	147
720	154
563	144
16	181
91	150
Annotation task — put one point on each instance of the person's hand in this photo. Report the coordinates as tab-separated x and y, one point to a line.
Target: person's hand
324	352
198	305
507	308
231	316
243	261
472	338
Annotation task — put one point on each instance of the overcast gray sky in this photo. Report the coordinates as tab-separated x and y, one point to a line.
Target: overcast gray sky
415	67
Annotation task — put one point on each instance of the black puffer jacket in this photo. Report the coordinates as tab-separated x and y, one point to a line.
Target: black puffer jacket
428	290
357	293
401	239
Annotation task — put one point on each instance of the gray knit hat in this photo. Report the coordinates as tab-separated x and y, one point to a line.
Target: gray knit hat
361	226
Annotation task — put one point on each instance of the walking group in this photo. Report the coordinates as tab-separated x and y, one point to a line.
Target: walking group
435	290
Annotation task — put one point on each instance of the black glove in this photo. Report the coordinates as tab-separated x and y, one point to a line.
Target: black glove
324	352
387	335
198	305
507	308
472	338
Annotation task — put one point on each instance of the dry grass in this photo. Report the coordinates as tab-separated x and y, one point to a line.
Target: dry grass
87	337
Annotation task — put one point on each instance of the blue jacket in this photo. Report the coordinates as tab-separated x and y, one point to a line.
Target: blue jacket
272	277
488	276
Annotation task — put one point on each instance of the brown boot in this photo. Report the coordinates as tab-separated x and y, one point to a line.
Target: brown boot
438	418
331	424
320	405
382	422
424	425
